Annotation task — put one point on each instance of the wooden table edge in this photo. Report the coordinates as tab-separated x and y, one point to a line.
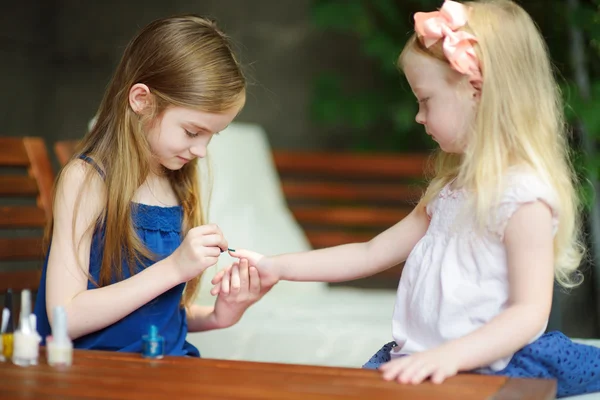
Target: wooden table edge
521	389
506	388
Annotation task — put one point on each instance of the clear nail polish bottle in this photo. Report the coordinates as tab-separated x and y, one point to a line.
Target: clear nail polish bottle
26	339
59	347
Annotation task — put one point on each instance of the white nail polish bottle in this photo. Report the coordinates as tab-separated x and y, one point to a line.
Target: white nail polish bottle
26	339
59	348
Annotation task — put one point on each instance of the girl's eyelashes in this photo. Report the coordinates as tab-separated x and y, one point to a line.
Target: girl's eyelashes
196	134
423	101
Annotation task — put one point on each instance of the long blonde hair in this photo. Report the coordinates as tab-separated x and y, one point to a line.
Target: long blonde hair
186	61
519	121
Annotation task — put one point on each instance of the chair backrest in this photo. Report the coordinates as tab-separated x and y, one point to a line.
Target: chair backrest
345	197
26	182
64	150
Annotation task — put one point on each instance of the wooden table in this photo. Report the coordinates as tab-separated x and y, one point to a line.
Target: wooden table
108	375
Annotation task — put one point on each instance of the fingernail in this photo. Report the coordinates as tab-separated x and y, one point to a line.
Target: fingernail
231	249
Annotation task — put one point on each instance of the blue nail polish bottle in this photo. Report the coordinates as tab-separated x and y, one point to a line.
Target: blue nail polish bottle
153	345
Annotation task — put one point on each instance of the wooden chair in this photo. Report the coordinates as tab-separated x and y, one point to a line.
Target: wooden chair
64	150
30	156
342	197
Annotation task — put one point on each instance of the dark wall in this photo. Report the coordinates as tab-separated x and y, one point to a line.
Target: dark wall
58	55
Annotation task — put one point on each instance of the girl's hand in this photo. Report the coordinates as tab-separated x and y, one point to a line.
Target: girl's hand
437	364
240	288
268	272
199	250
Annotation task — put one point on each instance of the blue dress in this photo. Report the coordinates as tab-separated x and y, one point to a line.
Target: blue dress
574	366
159	228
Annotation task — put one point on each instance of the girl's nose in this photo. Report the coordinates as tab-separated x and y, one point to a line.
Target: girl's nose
198	151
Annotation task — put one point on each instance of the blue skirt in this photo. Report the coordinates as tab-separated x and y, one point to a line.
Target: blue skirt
575	367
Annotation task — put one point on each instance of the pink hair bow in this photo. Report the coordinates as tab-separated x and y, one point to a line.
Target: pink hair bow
457	45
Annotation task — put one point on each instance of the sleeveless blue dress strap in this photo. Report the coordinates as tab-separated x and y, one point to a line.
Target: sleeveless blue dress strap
93	163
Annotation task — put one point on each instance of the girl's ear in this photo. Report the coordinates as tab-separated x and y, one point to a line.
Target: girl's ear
476	83
139	98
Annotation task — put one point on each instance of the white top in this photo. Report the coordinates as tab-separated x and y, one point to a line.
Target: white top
455	279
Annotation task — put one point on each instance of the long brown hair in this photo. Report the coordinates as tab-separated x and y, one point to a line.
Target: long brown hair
186	61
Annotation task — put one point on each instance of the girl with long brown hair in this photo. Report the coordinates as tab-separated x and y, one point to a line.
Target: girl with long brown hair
128	238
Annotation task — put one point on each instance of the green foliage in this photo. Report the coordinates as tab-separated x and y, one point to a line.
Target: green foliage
382	27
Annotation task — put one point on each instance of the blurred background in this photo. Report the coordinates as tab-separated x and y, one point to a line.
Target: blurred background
323	83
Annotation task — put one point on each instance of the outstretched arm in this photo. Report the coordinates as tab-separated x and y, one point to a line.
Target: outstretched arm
340	263
357	260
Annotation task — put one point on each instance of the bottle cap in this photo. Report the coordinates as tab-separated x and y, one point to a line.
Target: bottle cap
59	325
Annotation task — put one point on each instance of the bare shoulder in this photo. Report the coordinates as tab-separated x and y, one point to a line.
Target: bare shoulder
530	222
79	183
78	173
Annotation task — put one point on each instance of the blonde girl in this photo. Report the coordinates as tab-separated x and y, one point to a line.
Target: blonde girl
499	222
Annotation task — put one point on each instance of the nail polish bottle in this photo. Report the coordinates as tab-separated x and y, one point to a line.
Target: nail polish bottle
59	347
153	345
8	326
26	338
